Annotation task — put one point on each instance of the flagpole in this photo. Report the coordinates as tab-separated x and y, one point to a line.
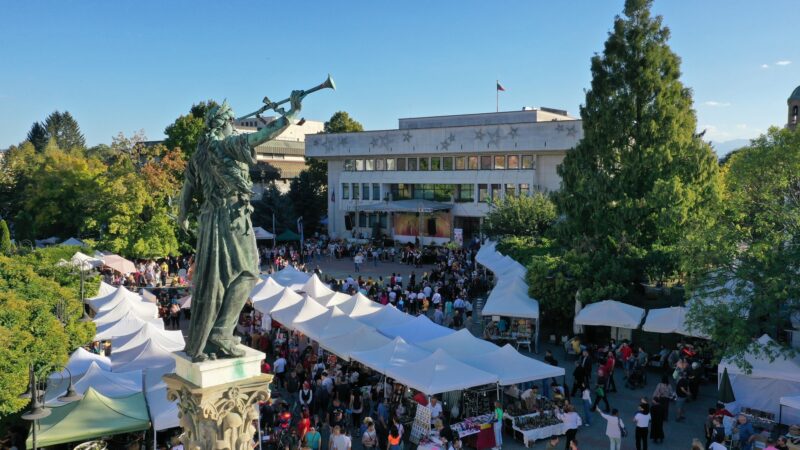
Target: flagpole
497	95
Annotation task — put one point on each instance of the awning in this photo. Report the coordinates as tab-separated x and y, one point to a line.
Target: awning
418	329
79	362
512	367
91	417
416	205
110	384
610	313
669	320
460	344
396	353
791	402
261	233
361	339
119	264
439	373
288	235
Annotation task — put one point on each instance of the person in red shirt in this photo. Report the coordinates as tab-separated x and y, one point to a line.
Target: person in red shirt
627	361
608	368
303	424
265	368
722	411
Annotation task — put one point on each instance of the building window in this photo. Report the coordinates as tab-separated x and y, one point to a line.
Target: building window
496	193
390	164
380	164
447	163
527	161
500	162
365	190
436	163
486	163
483	193
461	163
524	189
466	193
359	165
384	220
511	190
473	163
369	164
423	164
513	161
349	166
401	164
345	191
400	191
376	191
362	219
411	164
355	191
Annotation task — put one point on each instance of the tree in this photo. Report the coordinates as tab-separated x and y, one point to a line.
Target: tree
60	127
186	131
5	239
753	288
640	180
520	216
38	136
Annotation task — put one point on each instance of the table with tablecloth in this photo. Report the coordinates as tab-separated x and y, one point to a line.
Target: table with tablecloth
532	435
480	439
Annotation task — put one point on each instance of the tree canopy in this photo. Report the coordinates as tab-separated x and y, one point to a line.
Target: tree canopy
61	127
520	216
185	132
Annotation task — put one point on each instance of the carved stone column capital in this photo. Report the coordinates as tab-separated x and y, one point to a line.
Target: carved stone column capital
218	417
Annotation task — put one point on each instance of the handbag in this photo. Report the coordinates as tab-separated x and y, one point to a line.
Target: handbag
622	430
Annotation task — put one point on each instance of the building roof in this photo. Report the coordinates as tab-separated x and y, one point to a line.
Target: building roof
795	94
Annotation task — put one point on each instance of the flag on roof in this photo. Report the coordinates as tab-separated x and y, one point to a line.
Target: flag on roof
500	87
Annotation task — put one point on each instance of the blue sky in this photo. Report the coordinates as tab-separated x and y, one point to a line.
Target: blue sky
125	66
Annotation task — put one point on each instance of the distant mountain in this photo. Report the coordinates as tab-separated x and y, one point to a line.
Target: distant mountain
723	148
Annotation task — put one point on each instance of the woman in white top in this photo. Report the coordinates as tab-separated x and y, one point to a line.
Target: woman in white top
614	428
572	421
642	420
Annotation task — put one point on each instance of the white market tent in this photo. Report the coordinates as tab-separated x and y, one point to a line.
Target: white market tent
128	324
104	290
299	312
119	264
149	354
185	302
141	310
359	340
359	305
610	313
314	287
767	382
791	402
79	362
669	320
333	299
265	289
163	413
291	278
512	367
169	339
440	372
328	325
286	297
87	262
261	233
460	344
418	329
394	354
110	384
386	316
73	241
121	295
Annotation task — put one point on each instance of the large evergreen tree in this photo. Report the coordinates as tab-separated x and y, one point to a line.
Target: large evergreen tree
38	136
640	179
65	130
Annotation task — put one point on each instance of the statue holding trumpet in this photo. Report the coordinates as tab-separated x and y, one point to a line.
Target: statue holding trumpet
226	258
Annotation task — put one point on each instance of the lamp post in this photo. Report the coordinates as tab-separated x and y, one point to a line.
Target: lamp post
37	410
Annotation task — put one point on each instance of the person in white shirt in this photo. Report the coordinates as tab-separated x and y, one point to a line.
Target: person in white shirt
572	421
717	444
436	409
642	421
614	428
279	366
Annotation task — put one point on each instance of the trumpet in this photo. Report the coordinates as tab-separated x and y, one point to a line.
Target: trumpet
276	106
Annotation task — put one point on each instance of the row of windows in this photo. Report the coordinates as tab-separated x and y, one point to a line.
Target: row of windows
426	163
458	193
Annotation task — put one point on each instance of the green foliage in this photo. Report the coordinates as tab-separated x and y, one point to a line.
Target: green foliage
640	181
341	122
5	239
31	292
185	132
757	249
38	136
273	202
60	127
520	216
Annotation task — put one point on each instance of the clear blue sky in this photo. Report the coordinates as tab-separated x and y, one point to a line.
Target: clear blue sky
125	66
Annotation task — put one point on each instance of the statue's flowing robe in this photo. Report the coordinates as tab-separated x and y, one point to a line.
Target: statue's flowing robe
226	261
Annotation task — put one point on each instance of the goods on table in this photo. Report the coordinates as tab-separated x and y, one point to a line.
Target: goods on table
532	421
471	425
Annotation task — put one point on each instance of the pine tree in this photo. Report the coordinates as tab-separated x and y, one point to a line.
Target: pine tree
5	239
38	136
65	130
640	179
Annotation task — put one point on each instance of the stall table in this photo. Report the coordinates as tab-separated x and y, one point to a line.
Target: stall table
529	436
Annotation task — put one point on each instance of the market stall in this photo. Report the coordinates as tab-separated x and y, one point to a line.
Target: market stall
669	320
79	362
107	383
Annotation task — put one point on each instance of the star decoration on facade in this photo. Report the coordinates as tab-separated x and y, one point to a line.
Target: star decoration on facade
572	131
342	141
406	137
445	144
315	142
494	137
559	128
373	142
451	137
384	141
328	144
479	135
513	132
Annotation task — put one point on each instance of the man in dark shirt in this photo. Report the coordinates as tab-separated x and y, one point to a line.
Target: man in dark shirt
336	414
682	392
578	376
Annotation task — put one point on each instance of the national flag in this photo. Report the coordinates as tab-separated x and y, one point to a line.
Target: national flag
500	87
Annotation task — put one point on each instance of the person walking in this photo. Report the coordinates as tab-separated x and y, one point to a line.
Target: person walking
608	369
586	396
498	424
614	429
642	421
572	421
600	395
657	416
663	394
682	394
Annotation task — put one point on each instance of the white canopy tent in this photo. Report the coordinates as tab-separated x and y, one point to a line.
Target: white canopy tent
418	329
265	289
163	413
185	302
328	325
358	305
333	299
119	264
768	381
459	344
360	339
291	278
282	299
396	353
512	367
149	354
791	402
110	384
104	290
141	310
169	339
669	320
128	324
610	313
79	362
304	310
261	233
73	241
314	287
440	372
386	316
119	295
87	262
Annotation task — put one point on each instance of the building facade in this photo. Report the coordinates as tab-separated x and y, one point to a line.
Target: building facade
433	178
794	108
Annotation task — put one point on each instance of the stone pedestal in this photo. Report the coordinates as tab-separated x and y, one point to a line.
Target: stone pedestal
217	400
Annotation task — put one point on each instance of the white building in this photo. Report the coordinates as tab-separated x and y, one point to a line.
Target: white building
286	152
433	177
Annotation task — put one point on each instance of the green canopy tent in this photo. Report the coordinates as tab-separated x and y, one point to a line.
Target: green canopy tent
93	416
725	392
288	235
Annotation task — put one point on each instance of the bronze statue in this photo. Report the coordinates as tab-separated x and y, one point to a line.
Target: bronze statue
226	259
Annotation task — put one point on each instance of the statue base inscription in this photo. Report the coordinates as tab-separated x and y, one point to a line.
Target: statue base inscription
218	400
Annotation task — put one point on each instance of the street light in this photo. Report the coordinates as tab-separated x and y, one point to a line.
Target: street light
71	395
38	410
